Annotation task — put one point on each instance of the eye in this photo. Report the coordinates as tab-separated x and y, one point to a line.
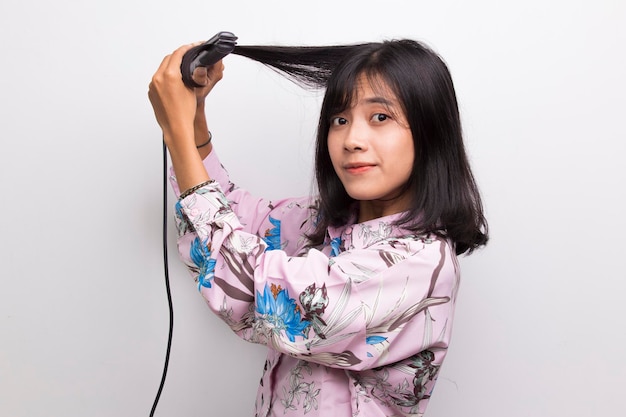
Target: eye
379	117
338	121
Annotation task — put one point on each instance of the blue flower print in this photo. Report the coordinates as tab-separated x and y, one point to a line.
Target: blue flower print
272	236
200	254
282	312
183	224
374	340
178	210
335	246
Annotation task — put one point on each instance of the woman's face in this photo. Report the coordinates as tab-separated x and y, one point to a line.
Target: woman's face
371	149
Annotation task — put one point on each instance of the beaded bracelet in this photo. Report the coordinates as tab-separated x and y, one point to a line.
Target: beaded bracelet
207	142
195	188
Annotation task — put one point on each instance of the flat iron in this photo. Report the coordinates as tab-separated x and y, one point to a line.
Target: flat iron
205	55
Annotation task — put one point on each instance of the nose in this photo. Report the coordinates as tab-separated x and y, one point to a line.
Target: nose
356	138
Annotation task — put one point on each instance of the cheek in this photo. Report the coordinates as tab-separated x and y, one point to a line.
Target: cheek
404	157
407	150
400	151
334	151
409	158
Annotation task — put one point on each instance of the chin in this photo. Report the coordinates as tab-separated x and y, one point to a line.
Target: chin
355	194
362	196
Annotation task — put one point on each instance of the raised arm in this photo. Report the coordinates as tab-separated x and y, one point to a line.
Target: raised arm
180	113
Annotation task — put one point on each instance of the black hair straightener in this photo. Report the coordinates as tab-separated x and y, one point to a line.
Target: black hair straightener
205	55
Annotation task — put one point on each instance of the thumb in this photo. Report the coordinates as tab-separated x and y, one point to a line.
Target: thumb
200	76
216	71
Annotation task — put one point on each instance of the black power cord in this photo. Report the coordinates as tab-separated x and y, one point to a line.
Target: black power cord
167	284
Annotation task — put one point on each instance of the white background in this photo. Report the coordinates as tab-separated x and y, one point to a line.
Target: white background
540	327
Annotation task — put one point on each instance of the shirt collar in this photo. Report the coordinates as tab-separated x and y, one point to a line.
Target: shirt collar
361	235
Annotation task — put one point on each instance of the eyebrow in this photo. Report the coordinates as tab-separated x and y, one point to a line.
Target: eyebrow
380	100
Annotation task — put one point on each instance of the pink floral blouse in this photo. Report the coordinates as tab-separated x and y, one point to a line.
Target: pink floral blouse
358	327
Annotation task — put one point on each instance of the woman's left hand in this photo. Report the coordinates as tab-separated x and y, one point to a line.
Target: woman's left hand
207	77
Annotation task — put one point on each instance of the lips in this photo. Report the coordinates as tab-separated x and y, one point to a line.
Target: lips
358	167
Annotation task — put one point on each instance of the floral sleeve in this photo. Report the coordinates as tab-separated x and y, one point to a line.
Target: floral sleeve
363	308
259	216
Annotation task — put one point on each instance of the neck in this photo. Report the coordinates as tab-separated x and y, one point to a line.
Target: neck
373	209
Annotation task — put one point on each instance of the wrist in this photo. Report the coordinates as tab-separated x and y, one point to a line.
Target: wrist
188	167
178	137
205	143
202	135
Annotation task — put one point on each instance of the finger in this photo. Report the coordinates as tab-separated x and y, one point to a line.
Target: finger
177	55
172	67
216	71
179	52
200	76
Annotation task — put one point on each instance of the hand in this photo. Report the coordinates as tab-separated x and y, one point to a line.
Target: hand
175	109
174	104
207	77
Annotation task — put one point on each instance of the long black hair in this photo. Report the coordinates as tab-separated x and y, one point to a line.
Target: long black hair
444	196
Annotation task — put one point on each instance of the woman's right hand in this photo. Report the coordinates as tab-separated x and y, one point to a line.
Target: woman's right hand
174	104
175	107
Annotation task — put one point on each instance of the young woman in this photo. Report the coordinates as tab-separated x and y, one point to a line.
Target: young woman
353	290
